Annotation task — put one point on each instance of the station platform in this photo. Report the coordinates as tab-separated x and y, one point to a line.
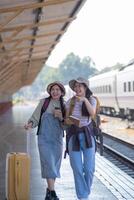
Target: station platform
13	138
118	128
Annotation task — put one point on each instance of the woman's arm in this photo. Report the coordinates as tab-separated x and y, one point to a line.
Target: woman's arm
90	105
90	108
34	119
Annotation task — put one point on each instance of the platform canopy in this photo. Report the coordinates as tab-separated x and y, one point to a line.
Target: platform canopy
29	31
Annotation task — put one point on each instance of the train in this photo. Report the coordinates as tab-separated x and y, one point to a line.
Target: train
115	90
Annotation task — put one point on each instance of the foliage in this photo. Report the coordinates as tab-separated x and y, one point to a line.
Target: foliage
74	67
71	67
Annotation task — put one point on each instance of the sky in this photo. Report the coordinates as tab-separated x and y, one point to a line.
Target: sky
103	30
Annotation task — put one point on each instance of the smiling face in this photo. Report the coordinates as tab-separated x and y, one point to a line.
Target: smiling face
80	89
55	92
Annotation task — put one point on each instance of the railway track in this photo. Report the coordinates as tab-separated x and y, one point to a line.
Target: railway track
118	152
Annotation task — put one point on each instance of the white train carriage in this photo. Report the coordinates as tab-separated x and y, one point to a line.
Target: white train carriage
125	91
104	86
115	90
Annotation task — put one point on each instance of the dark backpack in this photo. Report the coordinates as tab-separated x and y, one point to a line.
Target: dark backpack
96	120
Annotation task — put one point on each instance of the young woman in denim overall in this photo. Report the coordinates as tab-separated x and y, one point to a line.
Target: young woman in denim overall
81	144
48	117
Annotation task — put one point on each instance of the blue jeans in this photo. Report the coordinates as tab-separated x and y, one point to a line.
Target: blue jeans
83	166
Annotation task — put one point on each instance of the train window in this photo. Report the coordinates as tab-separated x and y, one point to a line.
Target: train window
129	86
106	89
110	90
100	89
103	89
125	87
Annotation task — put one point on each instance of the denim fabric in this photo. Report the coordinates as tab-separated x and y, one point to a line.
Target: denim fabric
50	144
83	166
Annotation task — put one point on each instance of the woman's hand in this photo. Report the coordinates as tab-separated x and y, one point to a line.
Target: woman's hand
58	113
28	126
89	107
67	121
81	98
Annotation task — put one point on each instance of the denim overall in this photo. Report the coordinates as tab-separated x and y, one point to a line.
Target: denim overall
50	143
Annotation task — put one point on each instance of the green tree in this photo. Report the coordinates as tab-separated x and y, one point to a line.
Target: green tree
72	67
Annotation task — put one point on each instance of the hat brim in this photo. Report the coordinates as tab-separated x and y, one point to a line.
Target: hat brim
72	83
56	83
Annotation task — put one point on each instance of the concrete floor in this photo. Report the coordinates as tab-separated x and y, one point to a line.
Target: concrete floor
13	138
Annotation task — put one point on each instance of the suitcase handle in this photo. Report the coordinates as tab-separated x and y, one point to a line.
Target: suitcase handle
28	132
18	173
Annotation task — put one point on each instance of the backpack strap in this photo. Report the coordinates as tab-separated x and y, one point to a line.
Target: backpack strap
96	119
97	105
45	105
72	104
43	109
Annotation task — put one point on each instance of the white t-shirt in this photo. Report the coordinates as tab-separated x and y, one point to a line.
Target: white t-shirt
77	111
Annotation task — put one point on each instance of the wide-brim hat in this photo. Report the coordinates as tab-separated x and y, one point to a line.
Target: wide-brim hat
79	80
56	83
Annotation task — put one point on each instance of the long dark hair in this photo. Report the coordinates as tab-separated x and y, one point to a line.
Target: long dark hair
62	104
87	95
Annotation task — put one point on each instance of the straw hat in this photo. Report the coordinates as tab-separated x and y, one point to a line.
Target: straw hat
79	80
56	83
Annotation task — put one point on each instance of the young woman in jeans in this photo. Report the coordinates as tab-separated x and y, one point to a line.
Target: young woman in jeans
80	138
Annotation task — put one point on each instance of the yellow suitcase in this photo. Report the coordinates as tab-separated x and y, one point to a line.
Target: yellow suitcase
18	176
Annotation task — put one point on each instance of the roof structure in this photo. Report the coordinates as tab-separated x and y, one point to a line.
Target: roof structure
29	31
